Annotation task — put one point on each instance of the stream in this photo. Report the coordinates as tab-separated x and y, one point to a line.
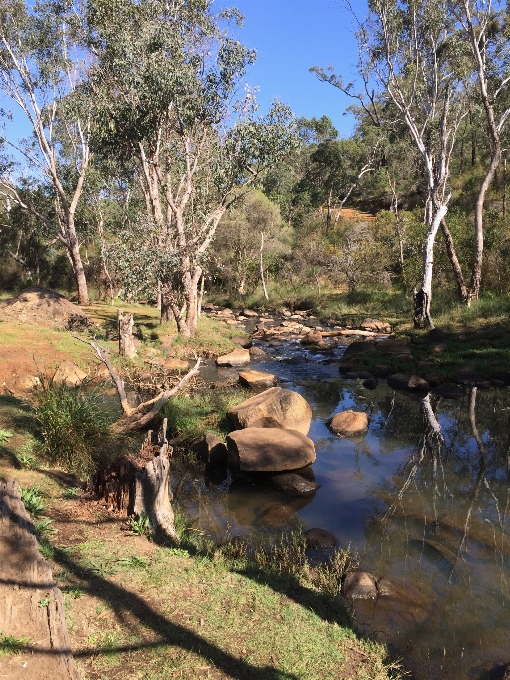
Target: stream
423	498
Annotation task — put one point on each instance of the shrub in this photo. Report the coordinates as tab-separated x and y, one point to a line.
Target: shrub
73	425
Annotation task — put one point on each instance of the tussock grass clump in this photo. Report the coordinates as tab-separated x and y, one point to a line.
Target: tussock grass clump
74	427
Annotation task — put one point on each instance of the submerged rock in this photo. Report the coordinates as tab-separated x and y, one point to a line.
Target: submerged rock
237	357
275	407
348	423
370	384
359	585
448	390
263	449
293	484
319	539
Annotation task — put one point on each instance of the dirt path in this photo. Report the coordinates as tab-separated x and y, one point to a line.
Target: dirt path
32	615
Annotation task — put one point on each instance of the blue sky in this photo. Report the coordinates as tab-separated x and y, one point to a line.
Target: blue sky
290	36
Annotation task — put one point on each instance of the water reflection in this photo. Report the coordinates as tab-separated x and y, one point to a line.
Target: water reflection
424	498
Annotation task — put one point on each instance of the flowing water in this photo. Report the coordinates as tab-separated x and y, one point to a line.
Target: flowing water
423	498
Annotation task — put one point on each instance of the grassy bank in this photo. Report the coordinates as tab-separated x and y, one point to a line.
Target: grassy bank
140	611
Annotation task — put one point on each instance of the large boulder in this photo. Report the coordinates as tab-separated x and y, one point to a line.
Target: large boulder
237	357
254	379
448	391
348	423
269	449
393	346
273	408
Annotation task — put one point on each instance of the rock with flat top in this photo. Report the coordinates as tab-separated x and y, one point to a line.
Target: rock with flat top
237	357
313	338
269	449
393	346
275	407
448	391
254	379
358	348
249	313
348	423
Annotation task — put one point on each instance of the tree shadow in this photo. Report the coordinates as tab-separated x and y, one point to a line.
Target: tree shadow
124	602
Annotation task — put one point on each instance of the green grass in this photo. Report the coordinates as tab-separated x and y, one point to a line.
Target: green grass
192	415
206	613
74	426
12	645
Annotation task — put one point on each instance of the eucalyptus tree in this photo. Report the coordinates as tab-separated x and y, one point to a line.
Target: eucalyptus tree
416	56
165	85
486	26
39	68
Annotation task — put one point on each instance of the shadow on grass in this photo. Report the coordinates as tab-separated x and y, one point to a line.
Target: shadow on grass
123	603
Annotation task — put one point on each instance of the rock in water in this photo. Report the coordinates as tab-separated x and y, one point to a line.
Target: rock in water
267	449
253	379
242	341
210	450
319	539
376	326
293	484
348	423
275	407
237	357
258	354
359	585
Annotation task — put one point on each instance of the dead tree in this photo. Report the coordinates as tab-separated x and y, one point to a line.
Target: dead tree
142	415
137	486
126	341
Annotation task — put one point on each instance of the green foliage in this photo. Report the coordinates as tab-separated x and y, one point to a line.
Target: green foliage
74	426
43	528
33	500
12	645
140	526
44	602
70	493
5	435
190	416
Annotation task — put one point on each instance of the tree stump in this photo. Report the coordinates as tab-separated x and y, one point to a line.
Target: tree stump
31	606
140	485
126	342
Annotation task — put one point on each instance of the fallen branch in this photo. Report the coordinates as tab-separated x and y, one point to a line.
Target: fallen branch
136	418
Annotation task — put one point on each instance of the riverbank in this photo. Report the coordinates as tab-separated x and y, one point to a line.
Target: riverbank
138	610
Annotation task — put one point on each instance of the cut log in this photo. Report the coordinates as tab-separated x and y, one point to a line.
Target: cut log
140	485
26	584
